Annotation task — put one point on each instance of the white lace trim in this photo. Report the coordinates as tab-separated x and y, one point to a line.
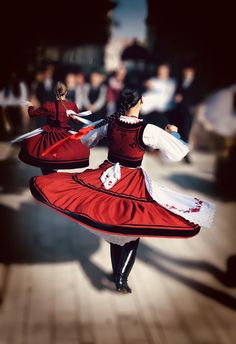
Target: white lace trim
129	119
27	135
193	209
114	239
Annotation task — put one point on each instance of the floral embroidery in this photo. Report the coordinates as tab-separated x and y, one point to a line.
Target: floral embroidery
195	209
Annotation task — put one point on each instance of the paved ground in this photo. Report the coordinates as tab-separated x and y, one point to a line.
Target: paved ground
53	275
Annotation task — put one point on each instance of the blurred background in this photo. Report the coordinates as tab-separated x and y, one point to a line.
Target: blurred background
53	274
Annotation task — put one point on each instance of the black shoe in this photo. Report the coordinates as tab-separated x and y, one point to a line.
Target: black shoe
122	285
127	259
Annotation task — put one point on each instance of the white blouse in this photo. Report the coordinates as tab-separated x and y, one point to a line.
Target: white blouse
153	137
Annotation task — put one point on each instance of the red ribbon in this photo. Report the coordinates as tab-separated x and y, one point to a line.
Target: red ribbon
78	136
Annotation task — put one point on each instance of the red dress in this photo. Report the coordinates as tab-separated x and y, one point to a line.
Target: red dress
73	154
127	209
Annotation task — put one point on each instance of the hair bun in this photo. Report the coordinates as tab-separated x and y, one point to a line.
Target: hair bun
60	89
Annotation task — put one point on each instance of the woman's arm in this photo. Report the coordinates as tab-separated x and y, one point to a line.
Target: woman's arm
172	147
92	138
39	112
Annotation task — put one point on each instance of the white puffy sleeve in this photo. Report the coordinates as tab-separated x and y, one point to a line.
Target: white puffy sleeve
92	138
157	138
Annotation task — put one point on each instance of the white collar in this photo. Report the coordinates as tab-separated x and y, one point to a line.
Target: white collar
129	119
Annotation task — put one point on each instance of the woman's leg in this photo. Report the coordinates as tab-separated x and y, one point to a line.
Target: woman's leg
123	258
115	251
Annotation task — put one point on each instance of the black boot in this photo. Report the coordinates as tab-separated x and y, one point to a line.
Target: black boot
115	251
127	259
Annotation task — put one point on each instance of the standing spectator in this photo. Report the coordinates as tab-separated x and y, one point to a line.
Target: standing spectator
79	89
14	95
71	87
37	88
188	95
49	83
159	98
95	95
115	86
44	84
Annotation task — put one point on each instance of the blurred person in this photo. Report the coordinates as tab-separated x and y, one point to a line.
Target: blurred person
218	112
13	96
118	201
44	84
159	97
70	81
37	88
79	89
188	95
73	155
49	83
115	86
218	116
2	115
95	95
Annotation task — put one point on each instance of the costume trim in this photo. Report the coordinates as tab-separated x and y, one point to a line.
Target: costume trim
131	230
53	163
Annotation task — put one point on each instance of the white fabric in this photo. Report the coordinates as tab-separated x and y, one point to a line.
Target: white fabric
120	240
218	109
130	119
33	133
92	138
171	147
27	135
160	95
193	209
82	120
80	114
110	176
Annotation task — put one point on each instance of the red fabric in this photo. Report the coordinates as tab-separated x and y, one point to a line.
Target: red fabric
71	151
49	110
127	204
125	141
53	149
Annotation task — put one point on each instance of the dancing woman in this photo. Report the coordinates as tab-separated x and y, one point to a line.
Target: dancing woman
73	154
118	201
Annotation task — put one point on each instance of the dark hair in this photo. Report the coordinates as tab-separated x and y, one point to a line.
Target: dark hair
60	89
128	98
13	85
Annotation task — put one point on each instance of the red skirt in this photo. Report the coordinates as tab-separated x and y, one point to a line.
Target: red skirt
126	209
72	154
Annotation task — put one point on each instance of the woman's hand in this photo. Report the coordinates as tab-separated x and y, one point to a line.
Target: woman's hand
28	103
170	128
